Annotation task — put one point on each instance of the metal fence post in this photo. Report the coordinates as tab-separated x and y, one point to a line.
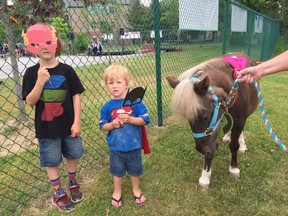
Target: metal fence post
158	62
225	27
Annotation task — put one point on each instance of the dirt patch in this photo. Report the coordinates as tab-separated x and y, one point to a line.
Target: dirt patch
16	136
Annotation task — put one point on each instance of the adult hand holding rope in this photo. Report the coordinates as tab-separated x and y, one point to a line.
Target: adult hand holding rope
254	74
274	65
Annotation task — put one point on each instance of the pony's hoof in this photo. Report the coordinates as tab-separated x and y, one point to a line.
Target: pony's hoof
204	187
234	172
235	175
242	150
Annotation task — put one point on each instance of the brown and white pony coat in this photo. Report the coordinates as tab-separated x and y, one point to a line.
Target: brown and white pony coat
192	100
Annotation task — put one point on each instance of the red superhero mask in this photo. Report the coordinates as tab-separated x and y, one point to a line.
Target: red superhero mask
40	36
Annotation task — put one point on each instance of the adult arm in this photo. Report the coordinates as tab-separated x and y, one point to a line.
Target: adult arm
274	65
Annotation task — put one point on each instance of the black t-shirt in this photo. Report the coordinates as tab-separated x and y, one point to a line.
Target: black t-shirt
54	113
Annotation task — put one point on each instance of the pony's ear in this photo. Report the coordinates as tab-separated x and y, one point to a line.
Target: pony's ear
201	87
173	81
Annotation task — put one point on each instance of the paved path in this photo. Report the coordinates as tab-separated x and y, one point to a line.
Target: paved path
74	61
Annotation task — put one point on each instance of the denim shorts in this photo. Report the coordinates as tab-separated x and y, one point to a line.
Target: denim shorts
52	149
122	162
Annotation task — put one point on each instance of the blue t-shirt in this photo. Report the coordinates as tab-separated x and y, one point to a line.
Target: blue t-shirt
128	137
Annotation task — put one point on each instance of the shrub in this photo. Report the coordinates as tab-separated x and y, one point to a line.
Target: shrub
81	42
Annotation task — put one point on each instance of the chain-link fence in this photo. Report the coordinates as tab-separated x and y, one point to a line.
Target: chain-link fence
152	40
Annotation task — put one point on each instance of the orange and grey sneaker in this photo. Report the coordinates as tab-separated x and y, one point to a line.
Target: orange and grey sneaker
76	193
63	203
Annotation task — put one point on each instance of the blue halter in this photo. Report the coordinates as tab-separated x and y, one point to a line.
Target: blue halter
214	123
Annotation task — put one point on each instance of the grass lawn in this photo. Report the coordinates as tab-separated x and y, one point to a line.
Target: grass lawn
172	170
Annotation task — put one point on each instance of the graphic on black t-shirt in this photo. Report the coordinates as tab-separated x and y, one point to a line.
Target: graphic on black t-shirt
53	98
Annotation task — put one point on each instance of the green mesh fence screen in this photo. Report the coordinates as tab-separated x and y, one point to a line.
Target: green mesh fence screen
152	40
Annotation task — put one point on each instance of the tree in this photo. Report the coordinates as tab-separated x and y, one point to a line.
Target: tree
139	16
28	13
81	42
62	26
169	18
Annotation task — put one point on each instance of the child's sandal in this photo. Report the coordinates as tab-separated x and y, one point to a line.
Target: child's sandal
139	198
118	202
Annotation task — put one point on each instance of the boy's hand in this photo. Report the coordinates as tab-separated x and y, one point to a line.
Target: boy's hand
124	118
116	123
43	74
75	130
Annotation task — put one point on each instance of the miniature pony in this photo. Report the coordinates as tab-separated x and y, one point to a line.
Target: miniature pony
202	95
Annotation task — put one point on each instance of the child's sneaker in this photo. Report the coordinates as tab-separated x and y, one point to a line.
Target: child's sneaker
63	203
76	193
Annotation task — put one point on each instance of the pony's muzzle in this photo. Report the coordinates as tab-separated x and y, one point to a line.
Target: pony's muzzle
209	155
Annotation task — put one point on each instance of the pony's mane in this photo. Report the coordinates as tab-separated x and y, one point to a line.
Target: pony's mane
185	101
210	65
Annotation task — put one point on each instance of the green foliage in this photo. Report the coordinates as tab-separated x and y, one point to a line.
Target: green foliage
17	31
169	15
62	26
2	32
139	16
28	13
107	26
81	42
101	14
169	18
31	12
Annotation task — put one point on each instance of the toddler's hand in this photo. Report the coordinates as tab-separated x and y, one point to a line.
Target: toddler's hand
124	118
116	123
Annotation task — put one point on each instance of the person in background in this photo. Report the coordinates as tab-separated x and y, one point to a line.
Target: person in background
90	48
274	65
123	125
97	50
6	50
54	88
2	52
17	50
20	46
